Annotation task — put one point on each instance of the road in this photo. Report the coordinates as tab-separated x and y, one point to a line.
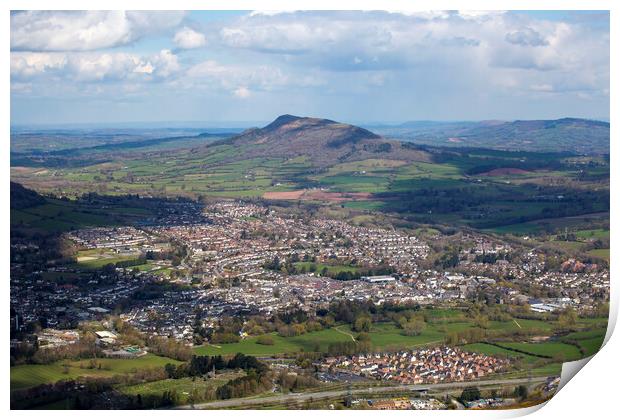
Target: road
296	398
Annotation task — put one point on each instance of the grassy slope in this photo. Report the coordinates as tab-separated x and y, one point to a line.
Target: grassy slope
213	171
25	376
183	386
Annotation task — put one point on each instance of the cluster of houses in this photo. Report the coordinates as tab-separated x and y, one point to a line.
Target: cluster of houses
114	237
423	366
63	305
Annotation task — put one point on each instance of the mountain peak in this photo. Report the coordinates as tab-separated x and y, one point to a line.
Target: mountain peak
321	140
281	120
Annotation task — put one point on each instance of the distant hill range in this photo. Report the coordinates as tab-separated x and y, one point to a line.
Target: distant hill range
567	134
318	143
324	142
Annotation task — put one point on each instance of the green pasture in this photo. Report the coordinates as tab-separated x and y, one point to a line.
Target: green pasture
183	386
26	376
547	349
593	234
601	253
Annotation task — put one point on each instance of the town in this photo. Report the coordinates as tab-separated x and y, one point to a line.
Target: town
241	258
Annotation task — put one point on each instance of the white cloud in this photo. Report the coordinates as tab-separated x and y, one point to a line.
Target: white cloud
19	87
92	66
237	78
270	12
526	37
187	38
350	41
86	30
545	87
480	14
146	68
399	58
242	92
33	64
166	63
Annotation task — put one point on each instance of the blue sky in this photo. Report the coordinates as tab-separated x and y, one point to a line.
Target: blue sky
223	67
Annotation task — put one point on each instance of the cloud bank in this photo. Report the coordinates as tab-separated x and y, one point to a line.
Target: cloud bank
358	65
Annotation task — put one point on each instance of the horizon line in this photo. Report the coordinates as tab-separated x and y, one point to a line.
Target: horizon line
252	123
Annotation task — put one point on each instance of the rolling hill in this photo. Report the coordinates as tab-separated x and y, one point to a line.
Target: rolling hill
349	167
324	142
576	135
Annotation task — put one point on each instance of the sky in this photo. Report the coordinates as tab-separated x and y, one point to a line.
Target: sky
226	68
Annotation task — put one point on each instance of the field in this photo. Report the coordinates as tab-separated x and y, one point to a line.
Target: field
63	215
383	336
97	258
547	349
593	234
492	350
183	386
601	253
387	337
26	376
560	225
484	189
590	340
282	345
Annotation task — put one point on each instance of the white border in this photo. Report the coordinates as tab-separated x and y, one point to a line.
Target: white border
591	395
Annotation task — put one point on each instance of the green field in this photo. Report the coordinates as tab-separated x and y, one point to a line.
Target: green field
547	349
63	215
590	340
282	345
26	376
492	350
591	345
183	386
593	234
601	253
461	195
96	258
363	205
387	336
384	336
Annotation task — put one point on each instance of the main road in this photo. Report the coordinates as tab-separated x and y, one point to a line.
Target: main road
302	397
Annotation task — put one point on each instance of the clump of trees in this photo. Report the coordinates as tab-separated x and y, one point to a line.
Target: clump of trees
290	267
349	348
567	319
85	348
411	323
250	384
294	382
362	323
265	340
224	338
470	393
168	347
